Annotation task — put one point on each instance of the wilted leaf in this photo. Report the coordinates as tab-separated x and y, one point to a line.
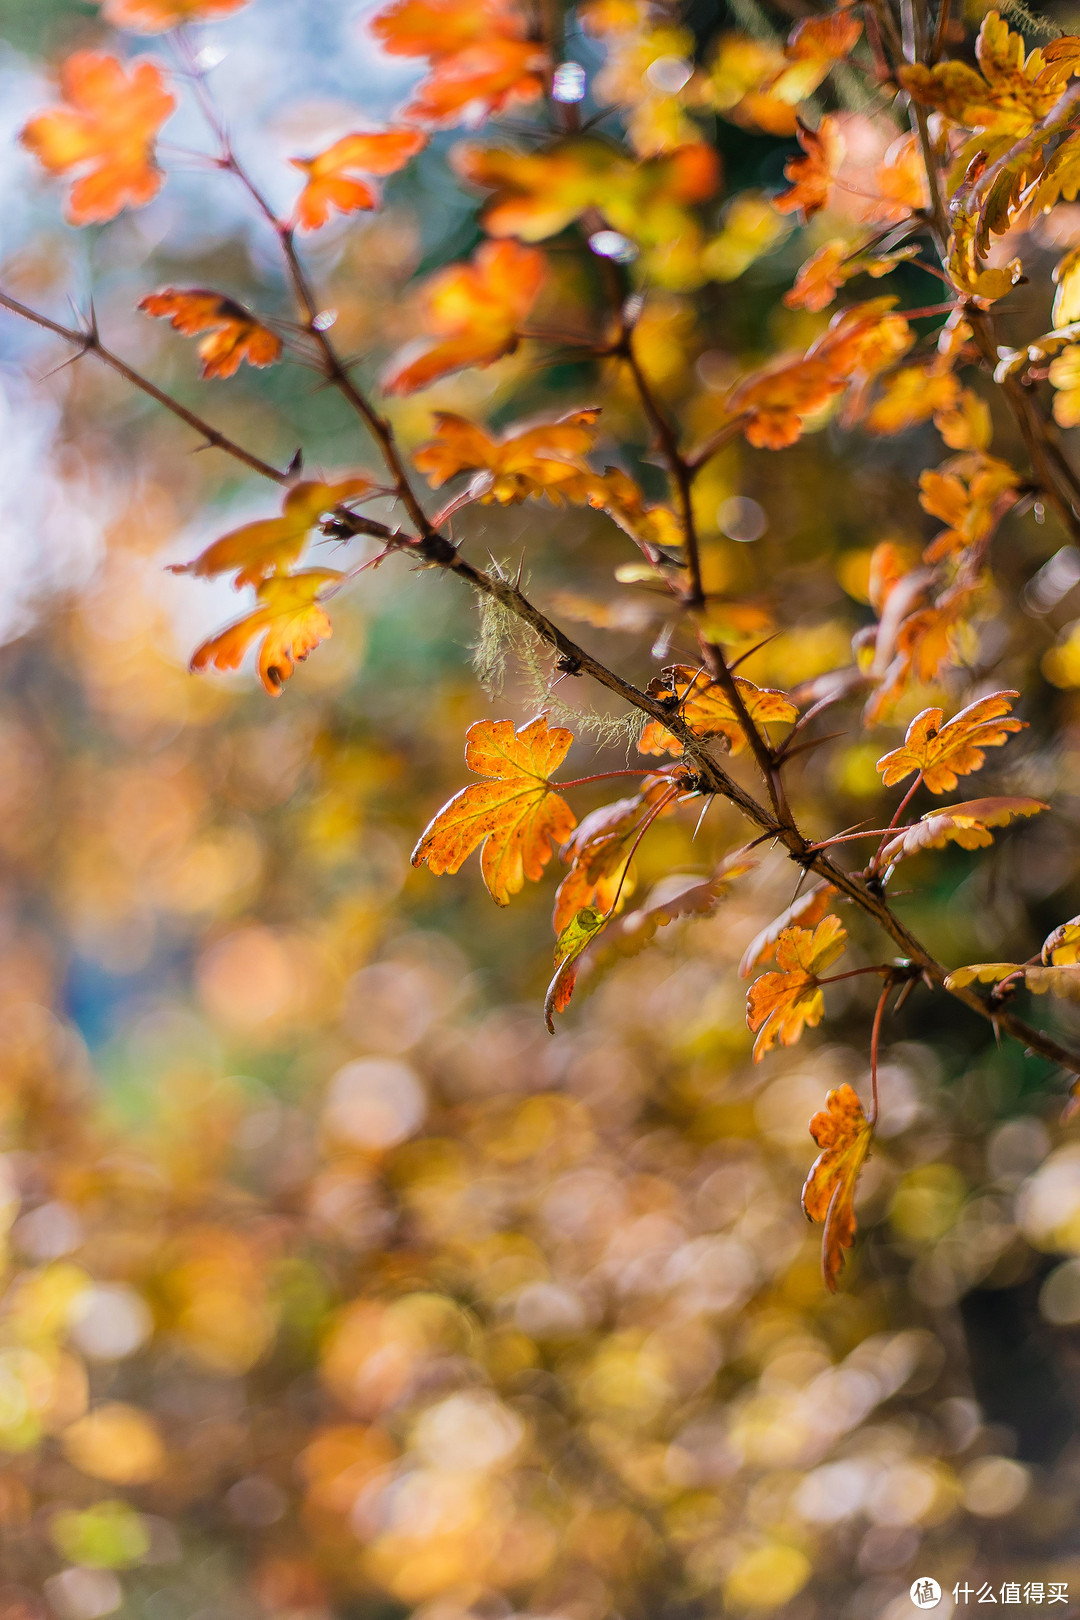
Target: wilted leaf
106	130
944	752
234	333
708	711
579	932
780	1005
271	545
842	1132
515	813
965	824
474	311
332	181
290	620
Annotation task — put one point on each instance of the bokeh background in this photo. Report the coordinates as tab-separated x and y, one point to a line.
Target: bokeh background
335	1286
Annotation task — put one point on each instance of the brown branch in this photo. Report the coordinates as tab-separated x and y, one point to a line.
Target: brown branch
88	342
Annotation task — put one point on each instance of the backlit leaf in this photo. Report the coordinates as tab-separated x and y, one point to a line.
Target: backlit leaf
708	711
234	334
290	621
812	175
842	1132
481	60
104	131
473	311
807	911
780	1005
531	461
979	973
271	545
966	824
332	176
944	752
579	932
158	16
516	814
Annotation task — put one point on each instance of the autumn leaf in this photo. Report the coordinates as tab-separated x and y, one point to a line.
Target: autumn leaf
807	911
271	545
1064	375
812	175
966	824
979	973
780	1005
158	16
912	395
598	852
900	182
708	711
332	176
825	38
776	402
832	266
943	752
515	813
473	310
234	334
578	933
1063	982
971	494
290	620
481	60
1011	93
842	1132
105	131
525	462
680	895
1061	948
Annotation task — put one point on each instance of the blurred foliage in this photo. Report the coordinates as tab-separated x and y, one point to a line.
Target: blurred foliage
334	1285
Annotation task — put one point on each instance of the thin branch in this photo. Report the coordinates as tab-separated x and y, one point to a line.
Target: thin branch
87	341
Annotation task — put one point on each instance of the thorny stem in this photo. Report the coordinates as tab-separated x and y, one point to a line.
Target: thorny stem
88	342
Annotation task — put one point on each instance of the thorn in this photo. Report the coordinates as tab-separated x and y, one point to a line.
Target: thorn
296	463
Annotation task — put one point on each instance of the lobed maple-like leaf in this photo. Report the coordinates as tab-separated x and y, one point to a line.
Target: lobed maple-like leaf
833	265
972	491
544	459
813	174
474	311
332	176
780	1005
966	824
289	618
271	545
105	131
708	711
158	16
944	752
807	911
481	58
233	333
842	1132
515	813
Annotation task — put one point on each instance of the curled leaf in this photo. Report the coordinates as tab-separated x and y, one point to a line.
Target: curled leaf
842	1132
1062	947
965	824
515	813
579	932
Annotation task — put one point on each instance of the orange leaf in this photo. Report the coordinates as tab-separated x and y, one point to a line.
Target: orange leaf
481	59
807	911
515	813
842	1132
942	753
812	176
105	130
158	16
708	711
780	1005
272	545
534	461
826	38
331	175
966	824
475	310
290	620
234	333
